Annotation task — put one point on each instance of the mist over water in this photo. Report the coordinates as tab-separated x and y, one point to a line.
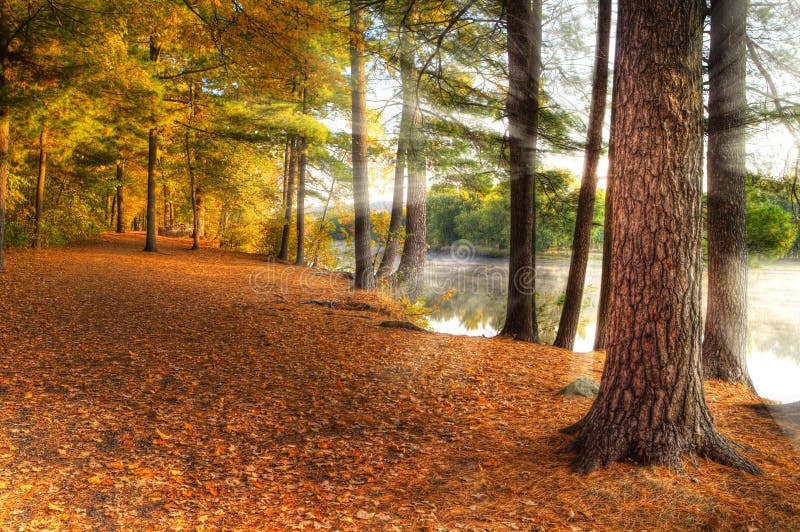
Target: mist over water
468	297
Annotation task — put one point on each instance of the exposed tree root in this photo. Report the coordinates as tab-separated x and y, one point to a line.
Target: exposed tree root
600	446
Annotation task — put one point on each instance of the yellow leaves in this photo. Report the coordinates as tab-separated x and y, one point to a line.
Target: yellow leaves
96	479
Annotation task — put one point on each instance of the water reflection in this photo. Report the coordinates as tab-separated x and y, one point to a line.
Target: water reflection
468	297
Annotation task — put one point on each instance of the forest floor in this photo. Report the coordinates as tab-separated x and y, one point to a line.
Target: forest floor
196	391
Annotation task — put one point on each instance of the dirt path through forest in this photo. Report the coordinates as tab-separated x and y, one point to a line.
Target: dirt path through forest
195	391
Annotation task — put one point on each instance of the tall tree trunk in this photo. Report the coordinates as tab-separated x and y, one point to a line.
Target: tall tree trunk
724	341
200	200
300	258
283	253
152	156
120	211
40	188
364	276
5	130
192	192
112	213
581	240
651	407
605	273
406	117
152	159
412	261
524	40
286	155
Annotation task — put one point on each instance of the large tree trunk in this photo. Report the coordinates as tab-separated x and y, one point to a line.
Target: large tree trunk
412	260
300	258
152	156
152	159
5	130
651	407
364	276
524	39
724	342
4	142
570	313
408	91
288	191
37	243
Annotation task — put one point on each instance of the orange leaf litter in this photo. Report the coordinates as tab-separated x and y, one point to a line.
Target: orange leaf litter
195	391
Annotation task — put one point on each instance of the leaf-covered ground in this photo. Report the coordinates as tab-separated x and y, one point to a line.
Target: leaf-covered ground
196	391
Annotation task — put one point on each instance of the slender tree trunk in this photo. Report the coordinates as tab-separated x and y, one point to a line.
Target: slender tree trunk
605	274
283	253
120	210
286	161
40	188
192	192
300	258
651	407
412	261
524	40
724	341
581	240
364	276
407	78
152	157
112	215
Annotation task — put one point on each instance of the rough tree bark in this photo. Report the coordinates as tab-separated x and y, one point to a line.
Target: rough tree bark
152	156
364	276
288	191
152	159
412	261
300	258
120	198
37	221
651	407
524	40
408	91
725	335
570	313
200	199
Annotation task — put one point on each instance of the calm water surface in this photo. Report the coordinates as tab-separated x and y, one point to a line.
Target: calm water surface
468	297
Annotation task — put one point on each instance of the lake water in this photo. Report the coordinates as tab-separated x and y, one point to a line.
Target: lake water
468	297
